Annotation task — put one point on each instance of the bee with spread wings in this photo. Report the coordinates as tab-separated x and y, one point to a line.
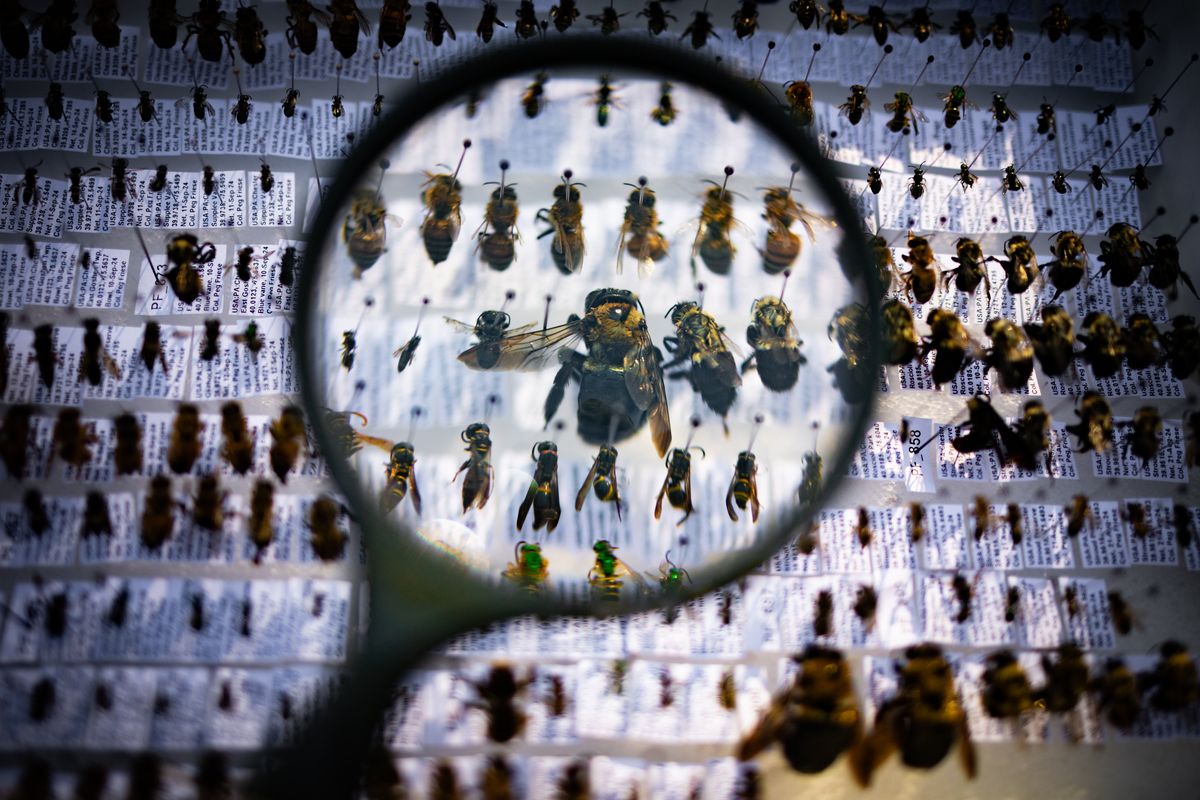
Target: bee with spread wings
620	378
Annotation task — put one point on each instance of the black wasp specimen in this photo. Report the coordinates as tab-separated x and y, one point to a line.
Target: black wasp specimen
1056	23
879	23
677	485
344	25
393	21
104	107
211	30
13	32
608	20
302	22
55	100
542	494
497	698
700	344
164	23
602	478
815	719
159	182
241	109
700	29
56	25
564	14
250	35
437	27
477	483
745	19
44	353
488	21
916	184
656	17
527	25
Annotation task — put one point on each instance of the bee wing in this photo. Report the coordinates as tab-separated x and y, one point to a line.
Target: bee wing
526	504
644	381
526	350
396	353
658	502
414	491
766	731
461	327
553	523
587	484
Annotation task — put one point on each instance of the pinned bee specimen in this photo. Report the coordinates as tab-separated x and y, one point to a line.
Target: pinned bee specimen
527	25
1011	354
437	27
158	513
44	355
477	484
606	577
743	487
96	519
1103	347
1122	254
1095	427
745	19
1056	23
185	445
1173	685
210	347
776	342
564	14
640	236
1120	612
712	242
127	454
1143	436
656	17
916	184
875	180
393	22
1029	437
95	359
781	211
971	269
708	353
921	279
152	351
700	28
365	227
327	539
1135	514
345	21
497	698
26	190
904	116
287	436
250	35
238	446
608	20
1070	264
879	23
1067	678
529	569
849	328
1141	340
37	517
677	485
72	442
55	101
405	353
899	333
185	254
810	480
602	480
1021	267
565	218
1182	346
350	338
605	99
251	338
1007	693
987	429
542	494
921	23
532	99
497	245
799	93
814	720
442	197
211	30
42	700
490	329
208	506
1119	695
1010	181
261	524
75	177
104	107
1165	271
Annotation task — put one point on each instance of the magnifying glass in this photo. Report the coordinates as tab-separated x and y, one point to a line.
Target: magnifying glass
584	327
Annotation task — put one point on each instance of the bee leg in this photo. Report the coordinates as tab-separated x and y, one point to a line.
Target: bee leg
572	367
746	365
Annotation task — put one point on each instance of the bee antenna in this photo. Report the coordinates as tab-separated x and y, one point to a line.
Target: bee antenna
1192	220
466	147
770	49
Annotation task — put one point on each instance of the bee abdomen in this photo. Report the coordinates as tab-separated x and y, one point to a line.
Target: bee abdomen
717	256
781	251
439	238
499	250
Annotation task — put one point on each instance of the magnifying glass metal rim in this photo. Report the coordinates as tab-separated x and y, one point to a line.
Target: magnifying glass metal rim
417	601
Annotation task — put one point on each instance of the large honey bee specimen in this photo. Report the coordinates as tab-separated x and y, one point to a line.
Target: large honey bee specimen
565	217
921	279
776	342
1103	348
712	242
782	246
639	236
1053	340
327	539
1006	689
1141	339
365	228
924	720
1021	267
814	720
620	378
529	569
1120	696
498	234
185	444
477	485
158	513
701	345
542	494
442	197
288	435
971	269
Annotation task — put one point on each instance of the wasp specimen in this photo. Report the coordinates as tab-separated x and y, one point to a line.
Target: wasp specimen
743	486
185	445
365	229
477	483
814	720
488	21
127	454
497	699
1007	692
1070	264
26	190
602	480
1104	348
400	472
656	17
776	343
542	494
71	441
700	28
44	353
904	116
327	539
608	20
95	359
208	510
345	22
712	242
529	569
75	176
1122	254
1011	354
565	218
708	353
639	236
437	27
185	254
158	513
677	485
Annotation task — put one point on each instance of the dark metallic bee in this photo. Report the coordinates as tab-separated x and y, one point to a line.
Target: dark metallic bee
208	506
185	254
743	487
899	333
877	20
302	29
1011	181
776	343
344	25
477	485
238	447
527	25
1007	692
158	513
1141	338
529	569
1011	354
250	35
923	720
1182	346
1120	697
75	176
542	495
700	29
44	353
13	32
185	446
437	27
365	229
564	14
211	30
1122	254
608	20
656	17
602	479
261	525
127	455
808	12
700	344
251	338
1000	110
1046	121
497	698
814	720
1056	23
328	540
287	437
1103	347
164	23
745	19
605	99
608	571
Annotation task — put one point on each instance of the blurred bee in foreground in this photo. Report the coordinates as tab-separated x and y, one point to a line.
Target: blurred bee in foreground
565	217
1119	695
814	720
782	246
1182	346
498	246
639	235
1007	693
1141	340
1066	679
442	197
776	342
924	720
405	353
743	487
327	538
677	485
949	340
620	378
605	100
365	227
850	326
158	513
899	332
1173	685
1103	348
497	699
904	116
665	112
712	242
1011	354
701	344
542	494
288	434
532	99
529	569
